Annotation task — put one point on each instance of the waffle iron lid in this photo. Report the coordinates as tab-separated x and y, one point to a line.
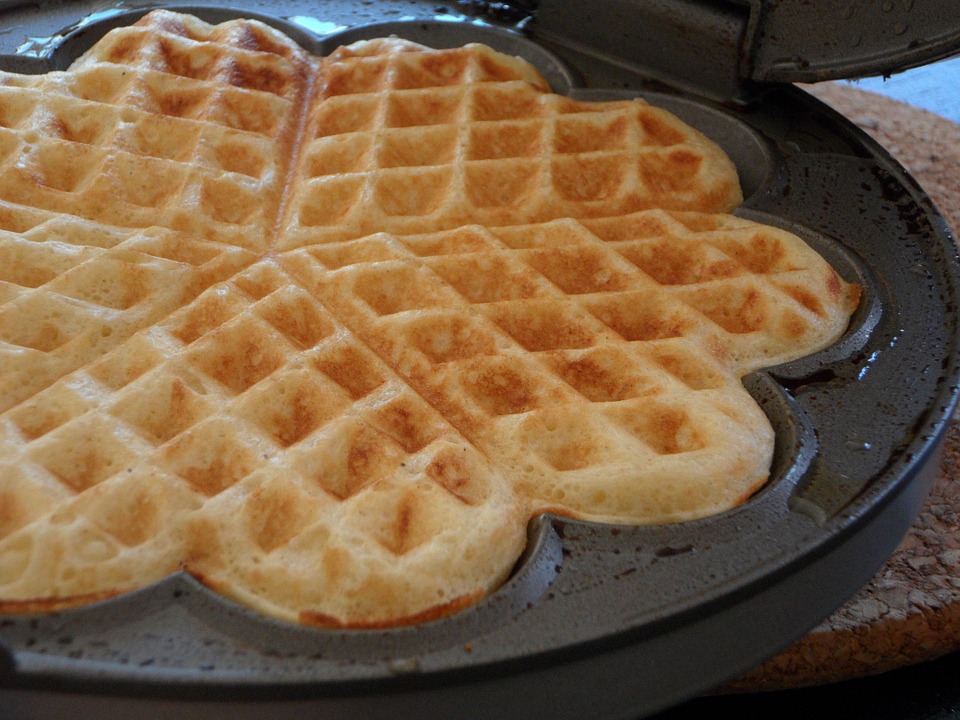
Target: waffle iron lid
742	43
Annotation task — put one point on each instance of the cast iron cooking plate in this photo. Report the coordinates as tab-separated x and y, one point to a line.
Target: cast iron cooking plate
597	621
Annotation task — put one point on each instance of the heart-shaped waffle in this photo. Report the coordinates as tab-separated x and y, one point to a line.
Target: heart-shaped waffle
327	332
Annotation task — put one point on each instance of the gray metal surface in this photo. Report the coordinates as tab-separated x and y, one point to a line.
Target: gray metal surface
597	621
726	49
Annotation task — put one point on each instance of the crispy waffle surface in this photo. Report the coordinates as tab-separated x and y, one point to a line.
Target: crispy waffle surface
327	332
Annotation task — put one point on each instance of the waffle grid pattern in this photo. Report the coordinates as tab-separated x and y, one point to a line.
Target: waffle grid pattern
400	145
554	335
326	333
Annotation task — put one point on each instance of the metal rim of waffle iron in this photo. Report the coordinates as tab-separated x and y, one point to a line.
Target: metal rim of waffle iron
602	621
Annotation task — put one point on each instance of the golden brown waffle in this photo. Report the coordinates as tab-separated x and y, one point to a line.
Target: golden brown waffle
402	141
326	333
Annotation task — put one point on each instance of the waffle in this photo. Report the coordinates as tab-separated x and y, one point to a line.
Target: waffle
327	332
402	144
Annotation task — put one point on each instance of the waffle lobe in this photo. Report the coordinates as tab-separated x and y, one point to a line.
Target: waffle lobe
327	332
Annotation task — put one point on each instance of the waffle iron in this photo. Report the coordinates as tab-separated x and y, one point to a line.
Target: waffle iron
598	621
